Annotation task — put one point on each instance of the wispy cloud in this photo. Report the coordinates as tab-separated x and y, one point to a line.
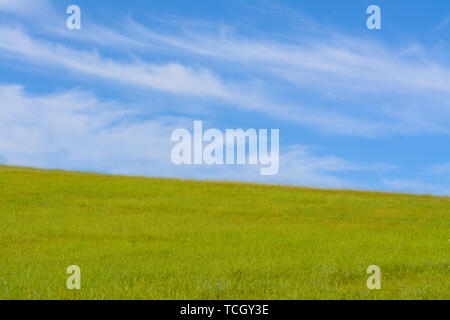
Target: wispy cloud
439	168
25	7
358	63
371	89
302	166
172	77
76	130
175	78
416	186
399	85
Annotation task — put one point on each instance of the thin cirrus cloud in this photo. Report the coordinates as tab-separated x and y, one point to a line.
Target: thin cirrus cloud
25	7
332	57
405	86
440	168
416	186
172	77
372	89
175	78
401	84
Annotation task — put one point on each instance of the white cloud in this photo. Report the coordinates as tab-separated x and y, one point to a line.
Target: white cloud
371	89
172	77
404	88
27	8
75	130
330	60
301	165
416	186
439	168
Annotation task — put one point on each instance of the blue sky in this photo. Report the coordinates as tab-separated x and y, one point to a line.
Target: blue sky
356	108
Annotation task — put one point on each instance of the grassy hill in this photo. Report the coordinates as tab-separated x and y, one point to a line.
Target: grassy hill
141	238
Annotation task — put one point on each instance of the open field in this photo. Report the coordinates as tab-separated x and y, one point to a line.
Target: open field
140	238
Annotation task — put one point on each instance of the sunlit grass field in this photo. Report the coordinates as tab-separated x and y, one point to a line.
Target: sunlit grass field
141	238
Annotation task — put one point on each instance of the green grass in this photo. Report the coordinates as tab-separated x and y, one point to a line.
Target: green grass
141	238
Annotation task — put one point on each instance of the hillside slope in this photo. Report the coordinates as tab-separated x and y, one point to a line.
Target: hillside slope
141	238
